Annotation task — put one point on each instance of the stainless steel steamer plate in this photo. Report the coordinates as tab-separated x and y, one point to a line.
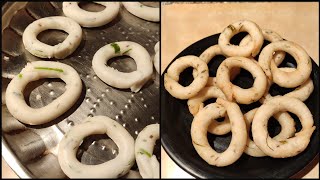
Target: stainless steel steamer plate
31	151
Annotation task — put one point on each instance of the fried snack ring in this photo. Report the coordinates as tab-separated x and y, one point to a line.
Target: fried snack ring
171	78
289	147
34	71
250	49
59	51
242	96
113	168
195	104
156	60
91	19
286	79
133	80
142	11
270	36
200	125
287	130
147	163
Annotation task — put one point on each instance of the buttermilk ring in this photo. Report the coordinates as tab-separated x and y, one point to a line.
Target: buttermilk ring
291	146
142	11
251	49
114	168
200	125
59	51
147	163
91	19
287	130
156	61
171	78
243	96
36	70
133	80
286	79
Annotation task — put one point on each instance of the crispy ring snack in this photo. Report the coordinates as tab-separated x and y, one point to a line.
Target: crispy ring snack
34	71
114	168
289	147
171	78
59	51
250	49
200	125
243	96
286	79
287	130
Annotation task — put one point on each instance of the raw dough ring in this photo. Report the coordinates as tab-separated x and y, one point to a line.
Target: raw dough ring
270	36
147	163
242	96
286	79
289	147
59	51
156	60
250	49
91	19
142	11
114	168
133	80
200	125
287	130
171	78
36	70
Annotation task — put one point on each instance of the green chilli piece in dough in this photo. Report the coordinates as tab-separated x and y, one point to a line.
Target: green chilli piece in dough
126	51
50	69
142	151
20	76
116	47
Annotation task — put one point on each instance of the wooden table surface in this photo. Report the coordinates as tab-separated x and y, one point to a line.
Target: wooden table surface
185	23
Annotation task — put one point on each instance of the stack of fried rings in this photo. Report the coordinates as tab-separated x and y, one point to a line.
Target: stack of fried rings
265	72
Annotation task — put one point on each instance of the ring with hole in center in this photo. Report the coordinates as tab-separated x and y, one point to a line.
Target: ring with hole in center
147	163
270	36
171	78
200	125
34	71
133	80
156	60
113	168
242	96
291	146
282	78
287	130
142	11
59	51
91	19
251	49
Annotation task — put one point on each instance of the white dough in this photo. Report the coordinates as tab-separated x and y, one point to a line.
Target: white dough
156	60
142	11
91	19
59	51
114	168
133	80
33	71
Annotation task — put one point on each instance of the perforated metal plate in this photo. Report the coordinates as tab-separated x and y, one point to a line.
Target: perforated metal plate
31	151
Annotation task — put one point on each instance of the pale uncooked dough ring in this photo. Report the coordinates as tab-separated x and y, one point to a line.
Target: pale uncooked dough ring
286	79
289	147
200	125
250	49
287	130
156	60
59	51
91	19
171	78
113	168
142	11
36	70
270	36
147	163
133	80
243	96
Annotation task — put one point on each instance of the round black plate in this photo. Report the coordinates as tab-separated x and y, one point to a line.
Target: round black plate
176	123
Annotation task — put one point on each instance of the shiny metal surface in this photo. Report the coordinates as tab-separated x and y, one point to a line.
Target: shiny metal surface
31	151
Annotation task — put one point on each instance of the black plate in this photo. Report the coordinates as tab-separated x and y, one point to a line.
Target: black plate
176	124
